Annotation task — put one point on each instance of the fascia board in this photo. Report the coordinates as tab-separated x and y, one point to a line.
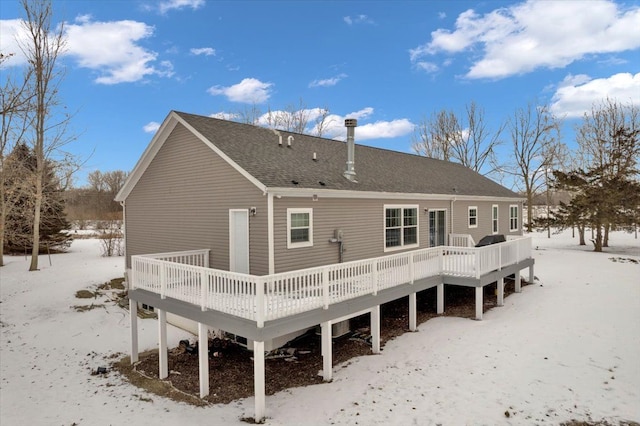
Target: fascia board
335	193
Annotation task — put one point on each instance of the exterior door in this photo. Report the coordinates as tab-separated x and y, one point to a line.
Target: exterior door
239	241
437	227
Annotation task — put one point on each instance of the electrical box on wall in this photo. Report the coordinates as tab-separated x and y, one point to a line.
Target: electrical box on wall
338	234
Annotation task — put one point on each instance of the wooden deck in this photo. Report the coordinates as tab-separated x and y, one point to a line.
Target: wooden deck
261	308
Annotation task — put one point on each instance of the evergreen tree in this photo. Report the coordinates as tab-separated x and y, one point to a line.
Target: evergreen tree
19	192
607	194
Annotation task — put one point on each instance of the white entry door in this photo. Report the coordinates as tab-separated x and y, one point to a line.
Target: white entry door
239	241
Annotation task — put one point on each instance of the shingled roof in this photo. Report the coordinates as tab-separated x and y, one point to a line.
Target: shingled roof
258	152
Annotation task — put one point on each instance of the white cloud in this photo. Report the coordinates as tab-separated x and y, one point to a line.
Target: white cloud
167	5
328	81
358	19
206	51
229	116
526	36
111	49
334	126
429	67
249	90
151	127
10	32
384	129
575	96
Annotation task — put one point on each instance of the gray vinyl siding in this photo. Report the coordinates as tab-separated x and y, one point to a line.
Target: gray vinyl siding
362	223
460	224
182	202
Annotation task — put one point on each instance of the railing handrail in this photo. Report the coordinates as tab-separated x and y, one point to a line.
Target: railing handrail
271	295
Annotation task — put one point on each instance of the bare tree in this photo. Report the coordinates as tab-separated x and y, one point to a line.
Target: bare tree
535	135
435	136
14	101
322	122
42	47
467	141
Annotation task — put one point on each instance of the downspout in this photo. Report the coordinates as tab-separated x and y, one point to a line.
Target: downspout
270	233
124	240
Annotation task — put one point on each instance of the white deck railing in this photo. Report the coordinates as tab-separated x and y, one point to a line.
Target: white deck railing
264	298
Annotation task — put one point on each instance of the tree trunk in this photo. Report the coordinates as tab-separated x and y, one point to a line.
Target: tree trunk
581	235
529	210
597	242
35	250
605	241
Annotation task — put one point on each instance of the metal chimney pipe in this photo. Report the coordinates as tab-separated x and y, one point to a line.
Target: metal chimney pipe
350	172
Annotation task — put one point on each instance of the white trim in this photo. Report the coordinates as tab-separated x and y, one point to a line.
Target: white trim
495	220
341	193
402	246
232	259
159	139
469	217
517	228
309	243
270	236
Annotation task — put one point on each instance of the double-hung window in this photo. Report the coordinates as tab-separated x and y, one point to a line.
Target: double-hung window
473	217
299	228
400	227
513	217
494	219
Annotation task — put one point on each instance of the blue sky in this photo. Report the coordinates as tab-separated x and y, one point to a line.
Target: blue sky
389	64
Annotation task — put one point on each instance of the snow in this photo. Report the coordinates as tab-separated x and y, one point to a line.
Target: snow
565	348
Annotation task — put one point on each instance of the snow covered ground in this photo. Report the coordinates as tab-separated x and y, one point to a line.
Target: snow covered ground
565	348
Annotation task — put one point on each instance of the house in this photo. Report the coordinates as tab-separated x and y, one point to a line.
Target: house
263	233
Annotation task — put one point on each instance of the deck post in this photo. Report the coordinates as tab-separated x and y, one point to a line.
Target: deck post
532	277
517	283
375	329
479	303
412	312
440	299
133	323
500	289
163	368
203	358
258	380
327	351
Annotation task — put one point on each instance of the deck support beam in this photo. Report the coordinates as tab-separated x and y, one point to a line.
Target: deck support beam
517	284
532	276
413	314
327	351
163	367
479	303
258	381
440	299
133	323
375	329
203	358
500	292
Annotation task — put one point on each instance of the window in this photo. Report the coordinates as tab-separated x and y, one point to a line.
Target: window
494	218
513	217
473	217
299	228
400	227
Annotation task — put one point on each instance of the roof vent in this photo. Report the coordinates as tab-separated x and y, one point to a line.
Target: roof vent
350	172
289	140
